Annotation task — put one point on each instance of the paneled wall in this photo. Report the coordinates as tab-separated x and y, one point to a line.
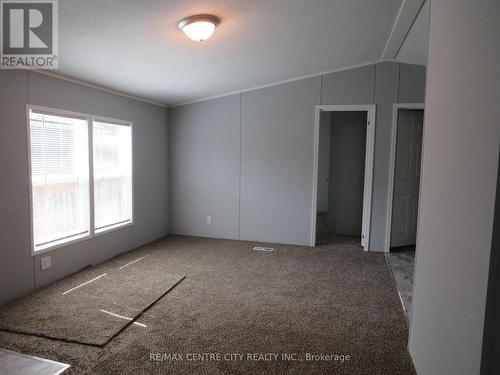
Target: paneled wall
206	166
276	162
267	143
458	187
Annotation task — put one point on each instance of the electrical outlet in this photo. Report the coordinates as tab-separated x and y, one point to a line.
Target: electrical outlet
209	219
46	263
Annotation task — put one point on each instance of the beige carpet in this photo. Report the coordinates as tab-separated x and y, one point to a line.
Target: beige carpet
245	312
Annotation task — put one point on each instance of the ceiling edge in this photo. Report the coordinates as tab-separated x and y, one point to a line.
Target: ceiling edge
280	82
97	87
165	105
403	23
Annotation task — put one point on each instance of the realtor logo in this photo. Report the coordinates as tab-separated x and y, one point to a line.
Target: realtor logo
29	34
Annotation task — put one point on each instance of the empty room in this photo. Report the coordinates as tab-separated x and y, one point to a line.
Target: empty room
249	187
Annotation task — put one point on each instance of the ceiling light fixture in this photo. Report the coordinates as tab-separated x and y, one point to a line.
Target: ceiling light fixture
199	27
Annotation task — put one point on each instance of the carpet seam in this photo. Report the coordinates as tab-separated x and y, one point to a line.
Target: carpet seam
107	341
142	312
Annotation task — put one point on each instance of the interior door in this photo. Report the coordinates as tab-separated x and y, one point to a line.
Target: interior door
406	177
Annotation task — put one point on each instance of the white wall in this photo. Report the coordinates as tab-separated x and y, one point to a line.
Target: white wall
19	271
459	169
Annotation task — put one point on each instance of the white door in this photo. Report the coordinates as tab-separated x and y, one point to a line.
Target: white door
406	177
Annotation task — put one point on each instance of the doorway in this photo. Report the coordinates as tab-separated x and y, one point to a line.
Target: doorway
404	184
343	173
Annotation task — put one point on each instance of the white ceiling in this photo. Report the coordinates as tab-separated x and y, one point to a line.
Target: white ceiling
134	46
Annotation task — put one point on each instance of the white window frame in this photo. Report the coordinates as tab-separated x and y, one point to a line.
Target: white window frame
90	127
116	226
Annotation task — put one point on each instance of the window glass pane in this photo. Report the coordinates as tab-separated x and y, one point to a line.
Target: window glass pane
59	177
112	174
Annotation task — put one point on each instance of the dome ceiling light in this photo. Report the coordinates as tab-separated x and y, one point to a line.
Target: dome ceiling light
199	27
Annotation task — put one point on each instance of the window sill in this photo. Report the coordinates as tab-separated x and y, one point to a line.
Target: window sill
59	244
113	227
78	238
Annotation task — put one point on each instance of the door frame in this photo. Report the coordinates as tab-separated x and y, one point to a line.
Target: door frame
392	163
370	110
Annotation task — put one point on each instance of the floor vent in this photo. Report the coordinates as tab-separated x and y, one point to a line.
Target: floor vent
266	249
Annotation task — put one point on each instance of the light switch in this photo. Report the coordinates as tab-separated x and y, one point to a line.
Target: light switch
209	219
46	263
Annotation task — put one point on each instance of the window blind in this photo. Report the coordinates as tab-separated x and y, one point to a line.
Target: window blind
59	177
112	174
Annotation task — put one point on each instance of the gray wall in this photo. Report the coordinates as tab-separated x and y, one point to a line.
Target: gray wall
204	168
274	194
325	125
19	271
385	94
457	195
16	263
347	173
276	162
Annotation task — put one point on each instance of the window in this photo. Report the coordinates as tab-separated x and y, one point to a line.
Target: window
61	177
112	175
